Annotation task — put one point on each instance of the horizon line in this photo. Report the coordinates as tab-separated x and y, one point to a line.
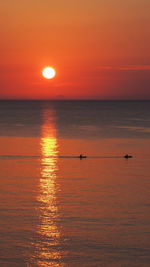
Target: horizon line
75	99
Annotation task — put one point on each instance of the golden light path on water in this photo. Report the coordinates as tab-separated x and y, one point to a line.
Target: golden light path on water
49	254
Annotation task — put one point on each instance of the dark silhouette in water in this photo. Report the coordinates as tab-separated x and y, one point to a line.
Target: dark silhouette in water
127	156
82	156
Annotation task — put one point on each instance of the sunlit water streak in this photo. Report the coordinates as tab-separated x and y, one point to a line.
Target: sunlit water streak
48	253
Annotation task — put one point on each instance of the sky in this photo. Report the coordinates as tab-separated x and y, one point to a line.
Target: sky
100	49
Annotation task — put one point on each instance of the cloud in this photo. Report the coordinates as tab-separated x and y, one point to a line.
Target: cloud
135	67
125	67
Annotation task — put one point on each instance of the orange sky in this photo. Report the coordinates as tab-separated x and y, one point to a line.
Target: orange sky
100	49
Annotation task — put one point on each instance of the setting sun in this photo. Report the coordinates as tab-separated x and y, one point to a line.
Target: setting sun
48	73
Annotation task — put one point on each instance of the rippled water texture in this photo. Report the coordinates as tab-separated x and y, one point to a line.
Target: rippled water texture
59	210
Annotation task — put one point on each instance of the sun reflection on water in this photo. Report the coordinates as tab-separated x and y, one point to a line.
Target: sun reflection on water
49	254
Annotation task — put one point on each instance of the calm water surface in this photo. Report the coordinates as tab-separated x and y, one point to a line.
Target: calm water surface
58	210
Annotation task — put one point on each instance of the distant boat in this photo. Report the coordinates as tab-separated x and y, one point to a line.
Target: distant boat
127	156
82	157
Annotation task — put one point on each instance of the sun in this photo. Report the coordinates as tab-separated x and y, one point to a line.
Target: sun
49	73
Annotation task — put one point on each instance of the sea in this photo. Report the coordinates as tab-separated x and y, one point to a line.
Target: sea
60	210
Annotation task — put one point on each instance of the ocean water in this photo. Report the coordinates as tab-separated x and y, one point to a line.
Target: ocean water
59	210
